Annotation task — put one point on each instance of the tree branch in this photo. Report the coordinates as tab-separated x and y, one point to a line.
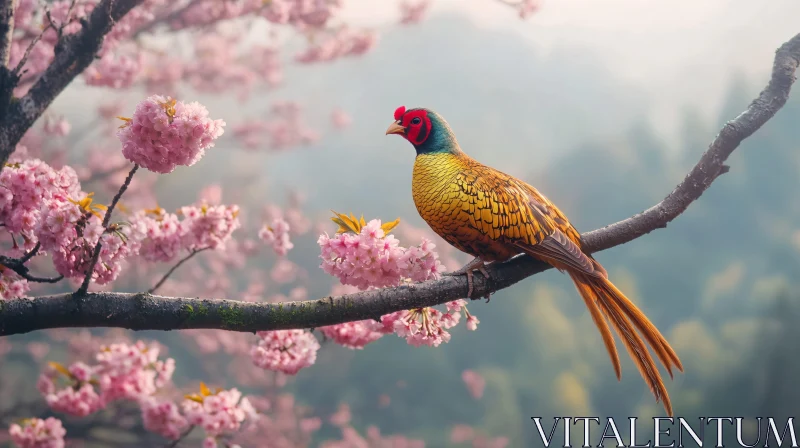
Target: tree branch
143	311
7	9
106	221
74	53
174	268
711	164
18	266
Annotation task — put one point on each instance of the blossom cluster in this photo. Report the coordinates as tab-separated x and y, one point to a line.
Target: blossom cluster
277	236
286	351
11	284
284	128
28	187
129	372
370	258
412	12
361	254
203	226
74	258
117	71
341	43
222	411
428	326
475	383
163	418
122	372
355	335
47	207
38	433
164	133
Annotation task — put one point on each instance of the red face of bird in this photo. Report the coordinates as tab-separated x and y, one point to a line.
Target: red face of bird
413	125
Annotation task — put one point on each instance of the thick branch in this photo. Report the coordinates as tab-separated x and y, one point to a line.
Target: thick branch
7	9
8	77
148	312
73	54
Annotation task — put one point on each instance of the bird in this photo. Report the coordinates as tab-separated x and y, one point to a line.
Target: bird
494	217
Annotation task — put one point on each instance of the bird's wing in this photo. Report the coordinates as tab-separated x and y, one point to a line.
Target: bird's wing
509	210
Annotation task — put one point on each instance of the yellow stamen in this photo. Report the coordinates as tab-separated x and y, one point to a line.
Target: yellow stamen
169	108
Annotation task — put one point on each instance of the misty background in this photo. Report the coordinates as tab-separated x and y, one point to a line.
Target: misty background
604	107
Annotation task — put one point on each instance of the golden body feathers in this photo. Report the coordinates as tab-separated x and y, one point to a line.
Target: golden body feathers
480	210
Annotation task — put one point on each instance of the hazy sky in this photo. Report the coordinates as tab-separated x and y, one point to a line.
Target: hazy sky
679	51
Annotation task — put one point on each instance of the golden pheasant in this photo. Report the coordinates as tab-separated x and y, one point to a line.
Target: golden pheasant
494	216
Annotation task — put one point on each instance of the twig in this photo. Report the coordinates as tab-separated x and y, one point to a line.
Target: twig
106	220
24	259
26	55
18	266
144	311
172	269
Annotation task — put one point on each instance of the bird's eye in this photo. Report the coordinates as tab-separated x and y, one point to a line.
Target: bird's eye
416	120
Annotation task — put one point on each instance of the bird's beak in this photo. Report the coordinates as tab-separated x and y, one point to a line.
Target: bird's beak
395	128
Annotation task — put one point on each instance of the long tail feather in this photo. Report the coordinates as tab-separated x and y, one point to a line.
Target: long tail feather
608	305
599	317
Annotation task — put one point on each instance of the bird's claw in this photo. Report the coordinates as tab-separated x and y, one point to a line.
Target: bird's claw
476	264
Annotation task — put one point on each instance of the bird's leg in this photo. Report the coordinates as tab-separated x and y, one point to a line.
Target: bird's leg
478	264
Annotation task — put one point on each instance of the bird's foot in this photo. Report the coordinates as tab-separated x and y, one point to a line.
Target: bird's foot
476	264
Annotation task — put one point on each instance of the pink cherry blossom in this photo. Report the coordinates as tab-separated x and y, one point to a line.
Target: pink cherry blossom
214	67
72	256
340	119
27	187
11	284
461	434
164	234
209	226
165	133
38	433
474	382
163	418
413	11
472	322
132	371
342	416
78	398
528	7
341	43
277	236
284	271
301	13
373	259
56	126
286	351
116	71
354	335
219	412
